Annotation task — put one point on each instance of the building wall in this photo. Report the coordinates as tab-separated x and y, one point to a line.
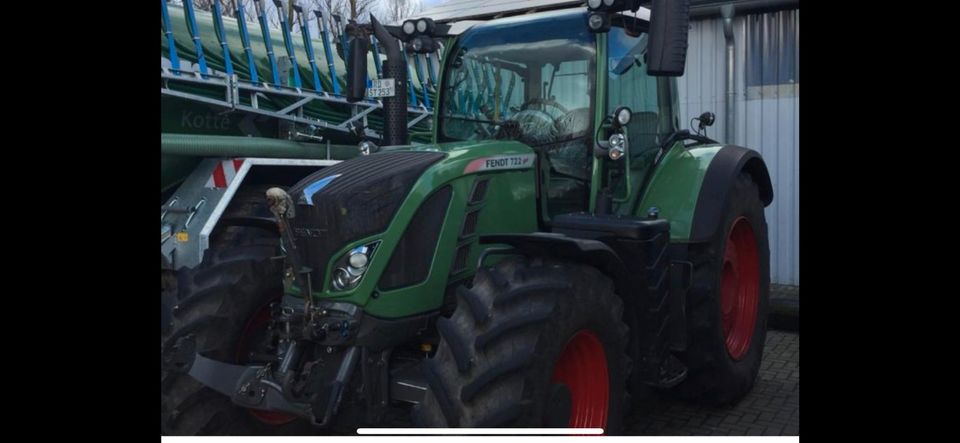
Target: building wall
767	112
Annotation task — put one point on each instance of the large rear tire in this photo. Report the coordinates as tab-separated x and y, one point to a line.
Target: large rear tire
728	301
224	304
534	343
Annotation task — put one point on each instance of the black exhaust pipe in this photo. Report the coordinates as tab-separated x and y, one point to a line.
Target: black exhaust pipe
394	108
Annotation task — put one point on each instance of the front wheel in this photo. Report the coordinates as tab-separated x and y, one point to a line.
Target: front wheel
534	343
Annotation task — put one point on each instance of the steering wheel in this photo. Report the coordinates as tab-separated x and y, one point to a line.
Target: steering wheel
544	102
535	125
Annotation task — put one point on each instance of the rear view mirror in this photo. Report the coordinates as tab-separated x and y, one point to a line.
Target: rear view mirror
667	50
356	63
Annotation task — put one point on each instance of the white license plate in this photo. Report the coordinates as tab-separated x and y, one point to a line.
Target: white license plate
381	88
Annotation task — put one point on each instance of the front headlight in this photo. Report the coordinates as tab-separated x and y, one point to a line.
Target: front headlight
349	270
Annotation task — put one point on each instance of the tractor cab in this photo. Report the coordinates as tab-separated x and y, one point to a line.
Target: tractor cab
550	82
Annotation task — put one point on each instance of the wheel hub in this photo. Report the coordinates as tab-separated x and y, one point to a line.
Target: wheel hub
582	368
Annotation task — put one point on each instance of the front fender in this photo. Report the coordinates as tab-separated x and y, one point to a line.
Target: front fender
590	252
690	185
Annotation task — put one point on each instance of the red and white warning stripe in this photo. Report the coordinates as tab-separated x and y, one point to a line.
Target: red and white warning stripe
224	173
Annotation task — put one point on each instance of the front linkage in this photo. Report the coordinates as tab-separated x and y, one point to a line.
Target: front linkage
318	347
312	390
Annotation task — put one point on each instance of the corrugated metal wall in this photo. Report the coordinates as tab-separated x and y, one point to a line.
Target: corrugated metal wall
767	112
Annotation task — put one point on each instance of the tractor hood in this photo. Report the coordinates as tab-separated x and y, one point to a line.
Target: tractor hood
369	201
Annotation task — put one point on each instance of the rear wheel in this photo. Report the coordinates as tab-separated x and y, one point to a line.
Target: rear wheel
727	303
224	305
534	343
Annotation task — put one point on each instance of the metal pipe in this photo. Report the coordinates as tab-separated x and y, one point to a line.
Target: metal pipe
290	357
267	43
304	18
222	36
288	42
375	48
168	31
423	80
233	146
245	40
327	50
730	133
406	58
195	35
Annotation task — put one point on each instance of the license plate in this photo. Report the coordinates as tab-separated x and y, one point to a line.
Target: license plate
381	88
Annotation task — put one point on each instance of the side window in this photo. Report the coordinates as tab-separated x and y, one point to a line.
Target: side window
773	55
629	85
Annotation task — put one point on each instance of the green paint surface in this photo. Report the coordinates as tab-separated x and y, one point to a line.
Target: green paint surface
675	186
509	207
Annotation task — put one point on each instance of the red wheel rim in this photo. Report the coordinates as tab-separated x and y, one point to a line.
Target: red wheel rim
739	288
253	331
582	367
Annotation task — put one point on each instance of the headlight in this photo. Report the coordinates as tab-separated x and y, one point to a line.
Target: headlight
623	115
593	4
350	268
617	142
408	27
358	260
598	22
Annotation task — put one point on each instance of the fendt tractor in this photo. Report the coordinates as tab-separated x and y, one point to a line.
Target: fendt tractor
557	249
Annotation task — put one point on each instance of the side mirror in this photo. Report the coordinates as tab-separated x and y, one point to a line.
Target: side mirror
667	48
356	63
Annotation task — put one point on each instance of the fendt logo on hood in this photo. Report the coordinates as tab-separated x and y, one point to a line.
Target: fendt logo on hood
500	162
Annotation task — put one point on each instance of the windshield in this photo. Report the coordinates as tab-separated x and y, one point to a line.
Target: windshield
520	79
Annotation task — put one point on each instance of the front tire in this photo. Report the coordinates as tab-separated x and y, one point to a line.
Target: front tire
534	343
224	304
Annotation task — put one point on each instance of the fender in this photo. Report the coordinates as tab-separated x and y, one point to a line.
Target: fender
590	252
690	184
724	169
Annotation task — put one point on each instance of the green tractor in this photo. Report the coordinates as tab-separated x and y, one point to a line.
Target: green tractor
560	247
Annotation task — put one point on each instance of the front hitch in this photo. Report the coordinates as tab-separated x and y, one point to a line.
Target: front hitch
258	386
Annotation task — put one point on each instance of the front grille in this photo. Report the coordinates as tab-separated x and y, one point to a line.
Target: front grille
351	200
479	191
469	224
410	263
460	261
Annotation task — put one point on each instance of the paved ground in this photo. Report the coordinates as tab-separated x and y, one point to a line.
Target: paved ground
771	408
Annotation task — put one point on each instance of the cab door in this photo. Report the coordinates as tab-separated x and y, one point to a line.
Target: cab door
652	101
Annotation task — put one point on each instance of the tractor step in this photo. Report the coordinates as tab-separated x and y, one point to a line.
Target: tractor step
407	385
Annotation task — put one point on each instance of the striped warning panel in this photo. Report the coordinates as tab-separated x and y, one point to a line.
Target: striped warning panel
224	173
